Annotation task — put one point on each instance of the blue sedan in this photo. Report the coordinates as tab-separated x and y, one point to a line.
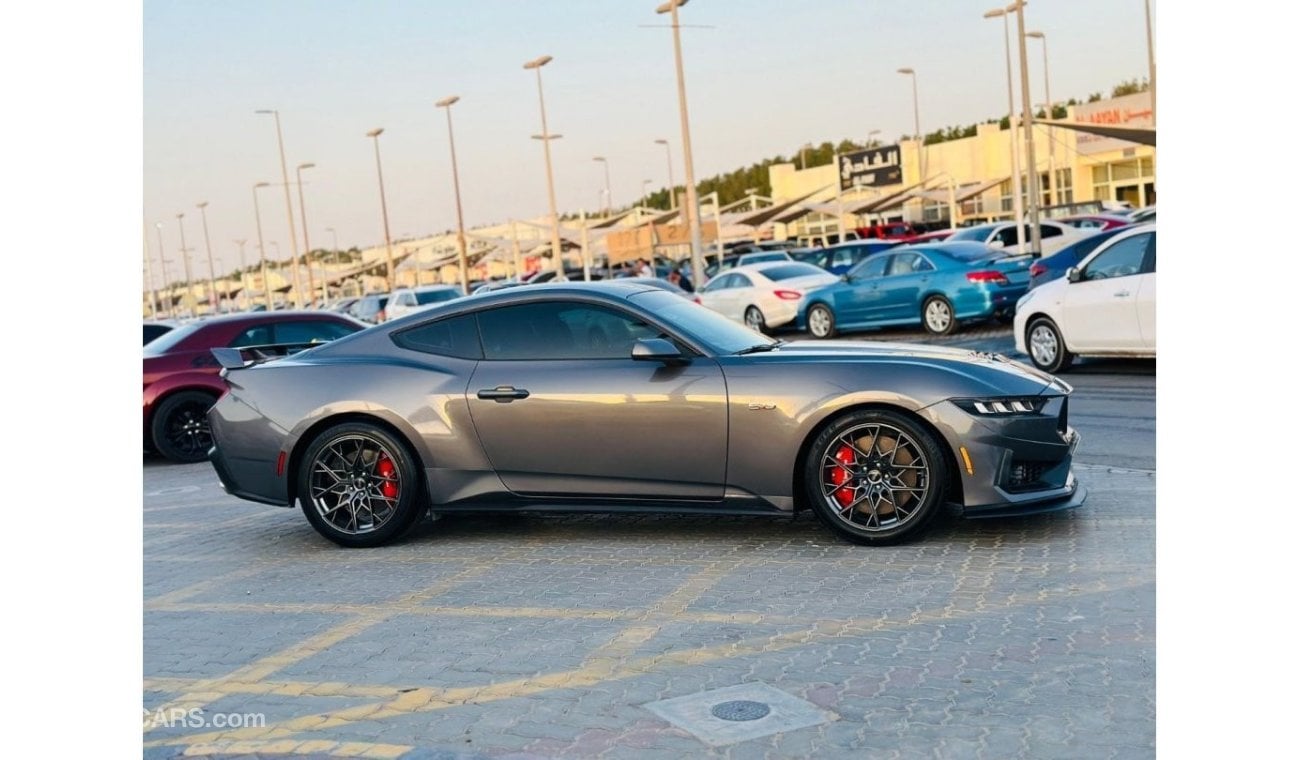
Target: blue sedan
838	259
937	285
1051	267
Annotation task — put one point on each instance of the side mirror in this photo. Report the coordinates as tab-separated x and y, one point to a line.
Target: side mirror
1073	274
657	350
846	277
995	243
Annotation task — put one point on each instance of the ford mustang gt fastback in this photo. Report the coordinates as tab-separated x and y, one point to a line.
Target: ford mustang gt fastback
625	398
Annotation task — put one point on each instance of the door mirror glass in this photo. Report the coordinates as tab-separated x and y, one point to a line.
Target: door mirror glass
656	350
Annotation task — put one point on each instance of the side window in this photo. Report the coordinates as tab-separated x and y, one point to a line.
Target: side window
309	332
721	282
457	336
908	263
1149	263
1120	260
871	267
542	331
1048	231
1007	236
740	281
843	257
259	335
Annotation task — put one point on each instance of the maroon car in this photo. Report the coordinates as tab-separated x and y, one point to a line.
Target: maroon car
181	379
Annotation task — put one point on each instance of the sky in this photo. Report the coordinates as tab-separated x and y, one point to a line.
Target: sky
762	77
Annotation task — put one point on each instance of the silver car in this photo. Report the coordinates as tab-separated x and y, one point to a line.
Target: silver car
618	397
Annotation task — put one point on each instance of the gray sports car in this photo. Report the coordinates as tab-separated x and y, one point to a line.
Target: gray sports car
626	398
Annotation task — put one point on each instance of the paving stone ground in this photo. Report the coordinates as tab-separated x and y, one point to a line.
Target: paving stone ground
543	636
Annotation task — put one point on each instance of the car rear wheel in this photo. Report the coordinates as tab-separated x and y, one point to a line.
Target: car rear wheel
1046	346
875	477
180	429
358	485
754	319
821	322
937	316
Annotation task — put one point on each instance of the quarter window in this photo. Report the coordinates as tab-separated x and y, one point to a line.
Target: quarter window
456	336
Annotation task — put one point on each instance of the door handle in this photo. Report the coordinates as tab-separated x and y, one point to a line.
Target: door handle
503	394
1122	294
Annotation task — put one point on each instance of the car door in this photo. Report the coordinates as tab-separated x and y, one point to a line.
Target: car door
562	410
1146	297
1099	312
857	301
900	291
739	295
714	295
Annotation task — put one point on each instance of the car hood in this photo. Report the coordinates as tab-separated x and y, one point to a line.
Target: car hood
981	366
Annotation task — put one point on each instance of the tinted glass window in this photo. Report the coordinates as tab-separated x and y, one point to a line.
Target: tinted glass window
1120	260
405	299
253	336
979	234
169	341
1149	265
309	332
908	263
740	281
435	296
788	271
842	257
153	331
541	331
872	266
721	282
705	325
1007	236
457	336
1047	231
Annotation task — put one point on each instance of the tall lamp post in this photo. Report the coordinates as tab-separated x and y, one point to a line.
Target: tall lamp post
338	259
261	246
288	205
645	191
1017	192
536	64
447	103
1031	164
871	135
383	207
185	258
243	275
1151	64
692	214
149	284
672	187
916	122
1053	196
212	270
306	243
609	196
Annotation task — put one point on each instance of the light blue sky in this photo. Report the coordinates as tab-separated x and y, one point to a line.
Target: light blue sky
766	77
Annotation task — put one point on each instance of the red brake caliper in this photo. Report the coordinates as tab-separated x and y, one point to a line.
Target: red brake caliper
839	475
384	467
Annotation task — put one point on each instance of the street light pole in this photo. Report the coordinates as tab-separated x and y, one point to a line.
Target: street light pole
162	262
916	122
261	246
692	214
150	285
1151	64
288	207
1017	192
1053	197
212	270
556	250
870	135
383	207
338	259
185	259
645	192
609	196
306	244
672	187
455	181
243	275
1035	195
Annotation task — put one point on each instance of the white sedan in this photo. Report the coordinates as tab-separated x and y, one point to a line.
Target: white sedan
763	295
1106	306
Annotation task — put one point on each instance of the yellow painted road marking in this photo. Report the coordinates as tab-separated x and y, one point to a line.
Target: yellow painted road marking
292	747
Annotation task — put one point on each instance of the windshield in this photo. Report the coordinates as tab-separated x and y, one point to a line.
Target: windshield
165	343
978	234
709	327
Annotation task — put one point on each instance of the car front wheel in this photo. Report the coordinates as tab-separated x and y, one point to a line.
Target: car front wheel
1046	347
875	477
821	321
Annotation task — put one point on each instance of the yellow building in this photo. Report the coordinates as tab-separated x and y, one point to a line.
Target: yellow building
970	178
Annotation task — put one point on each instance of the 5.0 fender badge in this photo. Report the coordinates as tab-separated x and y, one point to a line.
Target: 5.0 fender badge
761	407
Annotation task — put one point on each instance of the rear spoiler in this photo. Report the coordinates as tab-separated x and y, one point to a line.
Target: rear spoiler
247	356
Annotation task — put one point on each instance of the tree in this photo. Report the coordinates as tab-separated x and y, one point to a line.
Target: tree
1129	87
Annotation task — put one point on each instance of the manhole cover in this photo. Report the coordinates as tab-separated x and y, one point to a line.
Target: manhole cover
740	709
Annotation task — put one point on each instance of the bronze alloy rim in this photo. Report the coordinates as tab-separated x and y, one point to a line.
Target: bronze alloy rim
354	484
875	477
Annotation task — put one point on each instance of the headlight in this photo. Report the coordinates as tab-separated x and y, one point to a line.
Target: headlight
1002	407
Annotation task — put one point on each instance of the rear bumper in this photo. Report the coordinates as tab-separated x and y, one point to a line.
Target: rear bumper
244	465
244	490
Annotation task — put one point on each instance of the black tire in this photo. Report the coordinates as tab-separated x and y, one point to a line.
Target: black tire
754	319
931	322
409	501
923	448
179	427
1055	361
825	314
